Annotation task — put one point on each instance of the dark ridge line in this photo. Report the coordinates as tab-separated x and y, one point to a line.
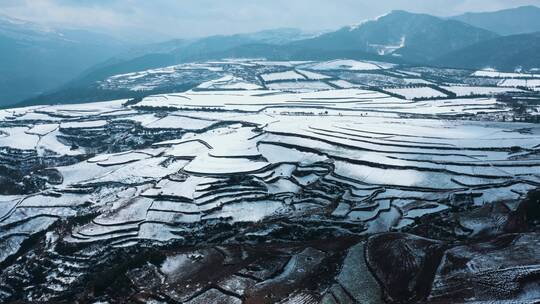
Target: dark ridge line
223	176
15	234
309	201
27	219
50	206
115	224
81	238
212	186
183	212
92	185
169	198
472	163
334	299
120	163
378	165
343	145
105	239
346	292
376	215
174	226
386	138
498	185
14	208
258	157
228	189
409	188
496	149
224	197
220	181
374	194
227	292
392	134
205	174
248	276
337	179
124	231
130	239
412	198
370	205
254	182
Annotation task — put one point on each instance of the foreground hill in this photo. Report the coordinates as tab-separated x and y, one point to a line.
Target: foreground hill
521	20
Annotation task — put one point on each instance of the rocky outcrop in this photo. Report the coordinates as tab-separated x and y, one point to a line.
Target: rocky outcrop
403	264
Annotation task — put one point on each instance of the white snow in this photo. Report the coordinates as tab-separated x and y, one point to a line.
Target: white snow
84	124
179	122
343	64
461	91
527	83
343	84
288	75
494	74
253	155
313	76
300	86
416	92
42	129
18	138
229	82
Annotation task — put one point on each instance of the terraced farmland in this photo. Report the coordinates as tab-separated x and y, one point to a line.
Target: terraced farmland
241	191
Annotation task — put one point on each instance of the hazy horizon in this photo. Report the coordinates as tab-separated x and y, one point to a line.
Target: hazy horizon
165	19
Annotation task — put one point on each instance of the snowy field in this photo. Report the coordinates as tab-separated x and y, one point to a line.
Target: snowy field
496	74
352	65
417	92
462	91
251	151
249	143
527	83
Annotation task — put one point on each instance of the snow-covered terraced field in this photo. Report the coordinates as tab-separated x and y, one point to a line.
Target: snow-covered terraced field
234	161
352	65
527	83
496	74
462	91
370	155
289	75
417	92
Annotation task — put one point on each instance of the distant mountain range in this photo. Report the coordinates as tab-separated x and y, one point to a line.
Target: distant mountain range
521	20
37	59
413	37
468	41
505	53
400	35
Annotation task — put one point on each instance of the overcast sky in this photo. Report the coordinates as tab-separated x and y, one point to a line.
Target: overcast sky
195	18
